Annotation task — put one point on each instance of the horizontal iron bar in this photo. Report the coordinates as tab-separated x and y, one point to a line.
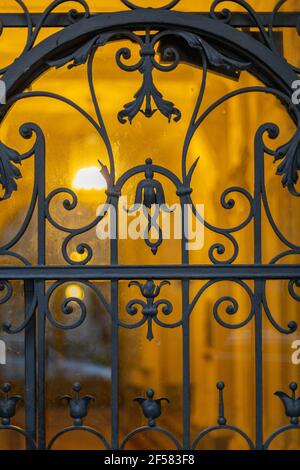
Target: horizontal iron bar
239	20
121	272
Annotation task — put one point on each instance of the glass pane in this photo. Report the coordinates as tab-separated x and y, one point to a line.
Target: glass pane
81	342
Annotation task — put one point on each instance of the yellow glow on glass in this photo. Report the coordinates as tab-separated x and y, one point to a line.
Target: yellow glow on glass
74	291
89	179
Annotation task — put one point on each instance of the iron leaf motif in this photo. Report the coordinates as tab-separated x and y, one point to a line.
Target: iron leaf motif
147	91
290	164
214	57
80	56
9	172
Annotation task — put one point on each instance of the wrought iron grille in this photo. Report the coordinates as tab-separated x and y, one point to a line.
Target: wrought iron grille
218	40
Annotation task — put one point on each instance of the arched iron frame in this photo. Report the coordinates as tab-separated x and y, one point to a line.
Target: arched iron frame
219	44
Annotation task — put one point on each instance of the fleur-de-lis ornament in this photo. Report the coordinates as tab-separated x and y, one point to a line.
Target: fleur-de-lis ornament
151	407
78	406
8	405
148	99
291	403
149	308
150	290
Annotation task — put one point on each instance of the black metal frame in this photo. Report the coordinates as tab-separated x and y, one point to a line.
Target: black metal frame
237	20
219	44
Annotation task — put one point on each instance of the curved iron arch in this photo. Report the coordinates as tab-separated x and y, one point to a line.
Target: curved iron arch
269	66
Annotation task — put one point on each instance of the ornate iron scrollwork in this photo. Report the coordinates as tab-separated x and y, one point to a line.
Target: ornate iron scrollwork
148	92
6	287
33	32
217	46
149	308
67	305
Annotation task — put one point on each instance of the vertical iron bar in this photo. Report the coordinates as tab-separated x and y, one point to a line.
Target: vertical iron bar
185	331
41	366
221	418
40	172
115	336
30	365
258	175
